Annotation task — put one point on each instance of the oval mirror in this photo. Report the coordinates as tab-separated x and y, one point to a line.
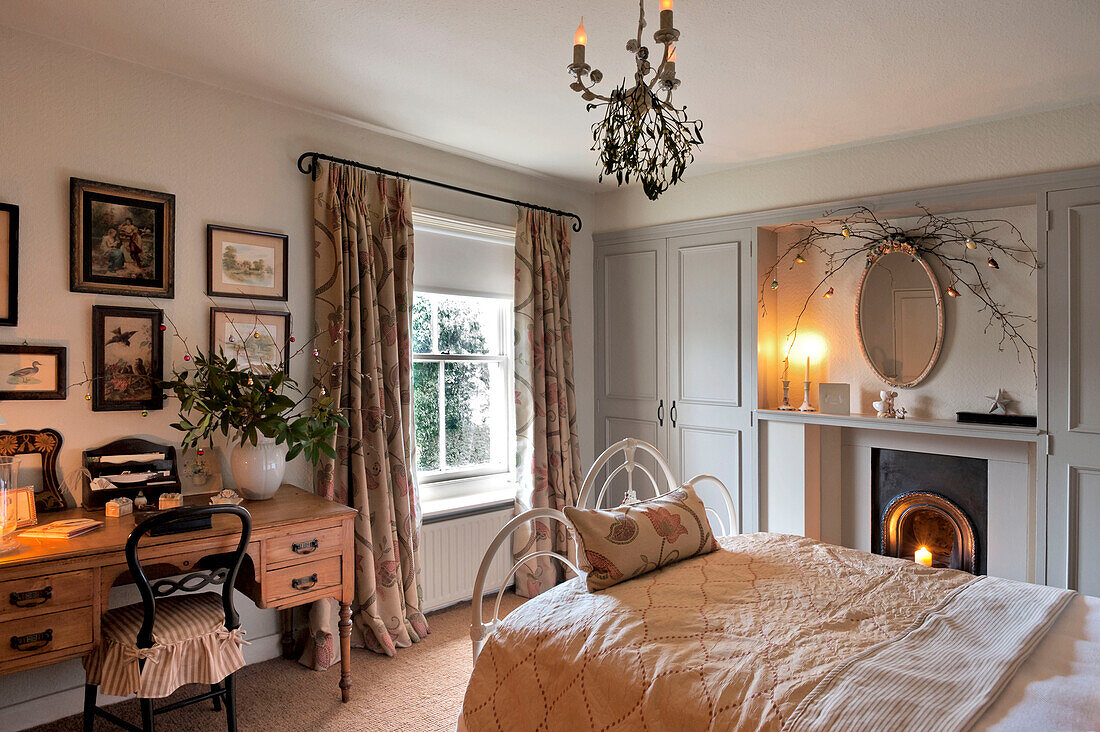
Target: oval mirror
899	316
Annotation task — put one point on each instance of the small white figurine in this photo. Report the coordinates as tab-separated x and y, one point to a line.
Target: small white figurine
885	406
1001	402
140	501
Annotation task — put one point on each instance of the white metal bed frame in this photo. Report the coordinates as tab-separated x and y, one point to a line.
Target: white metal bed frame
480	630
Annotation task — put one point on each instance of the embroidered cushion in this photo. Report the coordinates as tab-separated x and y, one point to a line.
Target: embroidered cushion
190	646
624	542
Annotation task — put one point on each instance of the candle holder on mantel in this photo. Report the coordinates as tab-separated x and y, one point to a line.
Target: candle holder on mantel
806	406
786	405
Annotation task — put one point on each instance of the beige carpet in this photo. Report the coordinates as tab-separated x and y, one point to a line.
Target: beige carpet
419	690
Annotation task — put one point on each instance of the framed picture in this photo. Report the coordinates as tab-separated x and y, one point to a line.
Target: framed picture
245	263
19	502
36	453
32	372
127	358
258	339
123	240
9	264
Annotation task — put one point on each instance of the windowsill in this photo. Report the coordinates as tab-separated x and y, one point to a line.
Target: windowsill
467	497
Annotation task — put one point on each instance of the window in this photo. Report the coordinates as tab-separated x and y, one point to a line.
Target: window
461	390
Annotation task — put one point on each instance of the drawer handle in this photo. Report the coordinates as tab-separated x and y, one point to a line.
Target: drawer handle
304	547
32	641
31	598
304	583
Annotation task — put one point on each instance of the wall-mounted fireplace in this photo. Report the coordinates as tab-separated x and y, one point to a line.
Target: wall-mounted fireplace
938	502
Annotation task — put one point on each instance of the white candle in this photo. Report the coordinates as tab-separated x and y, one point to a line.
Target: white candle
671	63
923	557
807	368
580	40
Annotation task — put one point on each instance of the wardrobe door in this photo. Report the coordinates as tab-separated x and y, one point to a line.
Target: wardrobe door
630	347
710	311
1073	389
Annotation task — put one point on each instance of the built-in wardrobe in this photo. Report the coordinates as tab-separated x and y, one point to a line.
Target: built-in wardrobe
674	320
683	361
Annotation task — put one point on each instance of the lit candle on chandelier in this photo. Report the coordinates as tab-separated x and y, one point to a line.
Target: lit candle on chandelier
580	40
670	66
923	557
666	15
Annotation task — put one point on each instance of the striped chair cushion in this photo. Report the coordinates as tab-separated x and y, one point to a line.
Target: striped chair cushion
190	646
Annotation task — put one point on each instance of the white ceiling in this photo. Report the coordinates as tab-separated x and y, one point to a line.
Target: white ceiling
488	77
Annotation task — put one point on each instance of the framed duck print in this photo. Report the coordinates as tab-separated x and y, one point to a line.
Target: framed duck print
127	357
9	264
258	339
32	372
122	240
246	263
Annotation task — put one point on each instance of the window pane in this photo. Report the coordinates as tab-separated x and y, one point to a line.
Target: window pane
468	324
422	325
426	414
468	414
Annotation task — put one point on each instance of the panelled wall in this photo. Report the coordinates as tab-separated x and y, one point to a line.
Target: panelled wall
677	322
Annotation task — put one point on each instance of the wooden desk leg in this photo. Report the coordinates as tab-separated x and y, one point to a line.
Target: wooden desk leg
288	633
345	651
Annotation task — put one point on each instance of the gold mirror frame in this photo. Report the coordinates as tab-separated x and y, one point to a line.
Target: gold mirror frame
935	357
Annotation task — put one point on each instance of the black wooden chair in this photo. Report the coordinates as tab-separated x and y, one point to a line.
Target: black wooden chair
153	647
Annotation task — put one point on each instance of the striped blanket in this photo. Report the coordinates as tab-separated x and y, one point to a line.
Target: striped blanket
773	632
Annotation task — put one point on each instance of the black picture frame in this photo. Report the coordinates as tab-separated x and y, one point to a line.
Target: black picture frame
60	388
215	343
11	317
109	379
90	265
281	246
47	443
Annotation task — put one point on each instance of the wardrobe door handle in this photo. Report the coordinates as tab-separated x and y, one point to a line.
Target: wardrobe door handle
32	641
672	413
304	583
661	413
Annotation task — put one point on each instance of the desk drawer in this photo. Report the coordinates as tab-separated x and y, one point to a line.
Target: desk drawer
299	547
301	579
41	634
37	595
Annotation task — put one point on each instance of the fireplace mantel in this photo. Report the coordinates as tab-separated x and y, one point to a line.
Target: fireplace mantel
815	477
924	426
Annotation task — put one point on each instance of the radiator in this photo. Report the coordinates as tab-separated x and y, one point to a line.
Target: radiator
451	552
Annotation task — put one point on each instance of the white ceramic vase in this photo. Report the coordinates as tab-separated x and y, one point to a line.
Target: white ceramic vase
258	469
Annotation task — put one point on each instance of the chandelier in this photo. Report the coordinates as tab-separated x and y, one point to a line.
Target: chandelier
642	134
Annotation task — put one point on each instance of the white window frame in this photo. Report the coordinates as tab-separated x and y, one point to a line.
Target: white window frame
505	358
456	488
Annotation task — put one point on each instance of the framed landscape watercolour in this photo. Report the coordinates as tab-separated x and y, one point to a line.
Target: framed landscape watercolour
245	263
258	339
32	372
127	358
122	240
9	264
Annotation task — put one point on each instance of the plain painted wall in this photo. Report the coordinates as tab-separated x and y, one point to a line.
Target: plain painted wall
229	159
1056	140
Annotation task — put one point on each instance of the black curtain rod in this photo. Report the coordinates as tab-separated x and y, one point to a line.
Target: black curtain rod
307	164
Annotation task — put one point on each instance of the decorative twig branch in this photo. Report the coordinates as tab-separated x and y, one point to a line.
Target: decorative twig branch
945	239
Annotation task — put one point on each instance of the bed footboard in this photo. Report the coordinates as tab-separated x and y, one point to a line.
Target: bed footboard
479	629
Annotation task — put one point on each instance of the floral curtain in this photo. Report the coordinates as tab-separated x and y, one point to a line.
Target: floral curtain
548	472
363	242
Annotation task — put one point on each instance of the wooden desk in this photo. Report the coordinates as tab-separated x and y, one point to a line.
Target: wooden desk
302	549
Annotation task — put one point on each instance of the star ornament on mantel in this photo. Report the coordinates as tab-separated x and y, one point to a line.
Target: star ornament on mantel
1000	403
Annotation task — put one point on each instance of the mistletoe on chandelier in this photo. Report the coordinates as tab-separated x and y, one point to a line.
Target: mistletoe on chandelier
642	134
963	248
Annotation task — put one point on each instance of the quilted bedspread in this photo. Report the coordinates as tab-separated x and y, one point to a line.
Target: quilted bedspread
732	639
